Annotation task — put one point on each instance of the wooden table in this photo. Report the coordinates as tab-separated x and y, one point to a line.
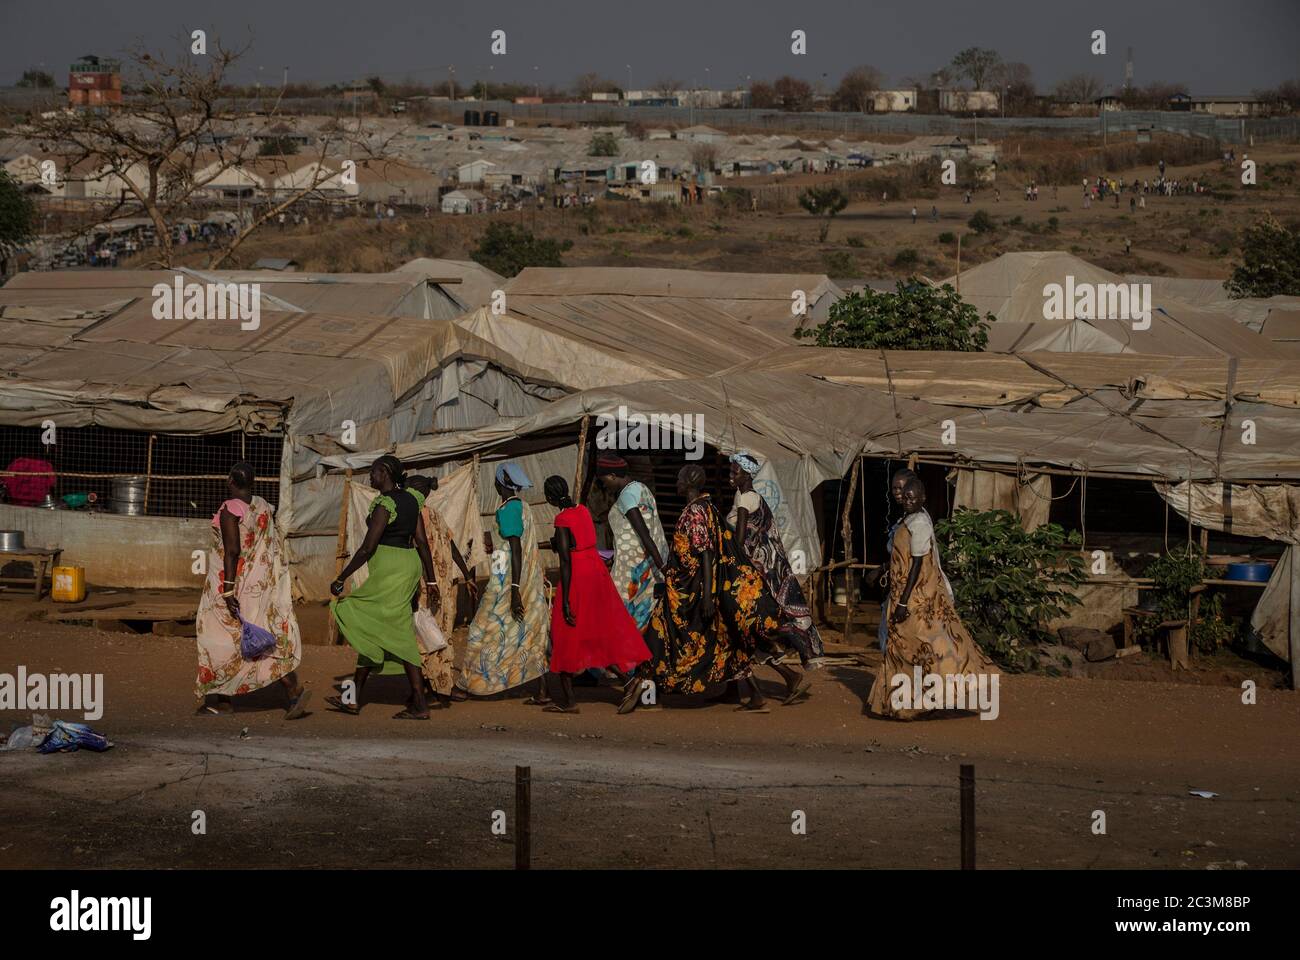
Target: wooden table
40	559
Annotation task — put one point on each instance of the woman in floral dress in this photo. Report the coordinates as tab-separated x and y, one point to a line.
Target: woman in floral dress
248	578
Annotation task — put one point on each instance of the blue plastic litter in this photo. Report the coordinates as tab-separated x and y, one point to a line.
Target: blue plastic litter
73	736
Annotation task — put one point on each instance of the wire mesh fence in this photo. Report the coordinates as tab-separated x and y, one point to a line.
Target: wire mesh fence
132	472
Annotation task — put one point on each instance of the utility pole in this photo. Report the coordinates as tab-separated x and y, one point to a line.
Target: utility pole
451	82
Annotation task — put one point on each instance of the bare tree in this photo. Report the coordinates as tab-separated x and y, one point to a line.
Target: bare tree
977	65
176	135
666	87
1080	88
705	157
857	89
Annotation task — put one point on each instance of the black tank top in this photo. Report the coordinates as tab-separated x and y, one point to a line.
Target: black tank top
400	531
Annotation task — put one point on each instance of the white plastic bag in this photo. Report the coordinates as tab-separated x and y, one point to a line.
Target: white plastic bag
428	632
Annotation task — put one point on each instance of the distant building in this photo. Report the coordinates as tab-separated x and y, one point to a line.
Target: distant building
464	201
474	171
1228	106
893	101
968	101
94	82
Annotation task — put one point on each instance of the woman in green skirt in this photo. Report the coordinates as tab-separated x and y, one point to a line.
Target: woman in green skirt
375	619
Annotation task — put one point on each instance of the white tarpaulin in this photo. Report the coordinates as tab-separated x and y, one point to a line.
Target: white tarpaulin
456	500
1030	501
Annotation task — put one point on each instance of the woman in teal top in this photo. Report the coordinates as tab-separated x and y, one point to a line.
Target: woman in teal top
510	633
375	618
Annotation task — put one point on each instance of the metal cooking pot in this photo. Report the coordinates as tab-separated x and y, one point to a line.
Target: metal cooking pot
11	540
126	496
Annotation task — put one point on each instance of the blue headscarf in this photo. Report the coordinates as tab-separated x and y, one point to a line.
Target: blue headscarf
746	463
512	475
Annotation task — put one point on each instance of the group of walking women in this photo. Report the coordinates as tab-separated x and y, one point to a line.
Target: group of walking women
694	616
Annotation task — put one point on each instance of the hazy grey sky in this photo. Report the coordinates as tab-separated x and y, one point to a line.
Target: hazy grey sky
1214	46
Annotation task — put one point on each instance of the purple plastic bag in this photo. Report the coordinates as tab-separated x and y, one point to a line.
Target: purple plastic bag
73	736
254	642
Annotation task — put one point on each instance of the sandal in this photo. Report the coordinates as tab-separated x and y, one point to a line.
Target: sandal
746	708
341	707
532	701
206	711
799	690
297	706
631	697
408	715
556	708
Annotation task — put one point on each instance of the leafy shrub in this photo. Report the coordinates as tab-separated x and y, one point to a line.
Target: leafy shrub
981	222
947	237
603	145
1270	262
1175	574
1053	224
1009	583
507	249
839	264
917	316
906	258
855	240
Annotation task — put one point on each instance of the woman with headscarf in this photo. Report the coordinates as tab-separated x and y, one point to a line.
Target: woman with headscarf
590	627
375	619
925	631
248	580
640	547
439	665
755	526
507	643
705	627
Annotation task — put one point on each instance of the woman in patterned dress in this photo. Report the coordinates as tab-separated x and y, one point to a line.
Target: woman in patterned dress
755	526
439	666
924	629
704	629
508	638
248	578
639	544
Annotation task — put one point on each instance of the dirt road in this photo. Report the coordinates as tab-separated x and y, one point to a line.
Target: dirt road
692	785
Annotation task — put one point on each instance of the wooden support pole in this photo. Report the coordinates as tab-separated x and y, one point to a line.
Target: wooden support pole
341	551
523	817
148	473
968	816
582	461
846	532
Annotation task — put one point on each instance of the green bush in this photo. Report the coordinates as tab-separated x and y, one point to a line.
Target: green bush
1053	224
1009	583
603	145
507	249
917	316
906	258
1175	574
855	240
981	222
947	237
1270	262
839	264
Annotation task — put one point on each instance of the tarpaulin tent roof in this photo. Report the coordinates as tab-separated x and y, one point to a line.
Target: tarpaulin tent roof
124	368
590	341
1157	417
1011	288
763	299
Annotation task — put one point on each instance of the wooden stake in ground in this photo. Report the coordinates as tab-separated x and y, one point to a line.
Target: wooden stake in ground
968	816
341	552
523	817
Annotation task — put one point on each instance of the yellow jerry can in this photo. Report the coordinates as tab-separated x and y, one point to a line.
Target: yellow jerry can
69	584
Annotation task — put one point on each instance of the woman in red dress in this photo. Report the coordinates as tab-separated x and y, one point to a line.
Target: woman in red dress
590	627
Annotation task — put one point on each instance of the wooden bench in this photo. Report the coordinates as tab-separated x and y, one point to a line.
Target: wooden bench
41	559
